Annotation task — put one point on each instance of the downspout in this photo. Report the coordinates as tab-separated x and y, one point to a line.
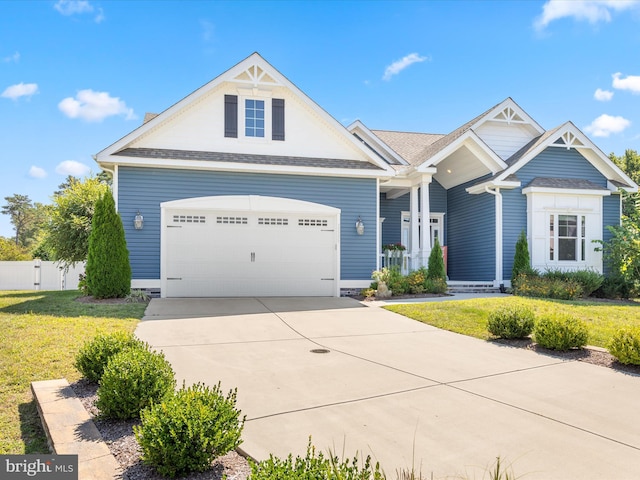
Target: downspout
498	281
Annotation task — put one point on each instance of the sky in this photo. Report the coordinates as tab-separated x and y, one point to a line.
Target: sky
76	76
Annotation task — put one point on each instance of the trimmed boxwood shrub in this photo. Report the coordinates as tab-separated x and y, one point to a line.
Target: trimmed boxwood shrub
511	321
134	379
185	432
93	356
560	332
625	346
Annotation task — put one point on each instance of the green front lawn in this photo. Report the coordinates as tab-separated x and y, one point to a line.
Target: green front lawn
469	317
40	333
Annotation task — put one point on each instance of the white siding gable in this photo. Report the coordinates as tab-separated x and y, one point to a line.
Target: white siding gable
504	138
200	126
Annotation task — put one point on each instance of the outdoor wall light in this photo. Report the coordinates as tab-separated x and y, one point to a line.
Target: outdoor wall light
360	227
138	221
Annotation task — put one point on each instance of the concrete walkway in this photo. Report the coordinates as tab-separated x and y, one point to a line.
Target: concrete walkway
401	391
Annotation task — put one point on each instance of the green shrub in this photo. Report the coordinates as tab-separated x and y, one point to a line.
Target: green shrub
511	321
521	260
314	466
529	285
132	380
397	282
614	287
589	280
188	430
416	280
436	285
625	346
94	355
560	332
108	272
436	268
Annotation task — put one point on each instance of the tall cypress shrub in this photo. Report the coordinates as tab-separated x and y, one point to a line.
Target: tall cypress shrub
108	270
436	268
521	260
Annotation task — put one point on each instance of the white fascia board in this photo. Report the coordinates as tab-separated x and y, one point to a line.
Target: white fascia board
374	141
482	187
468	138
251	168
509	102
566	191
474	141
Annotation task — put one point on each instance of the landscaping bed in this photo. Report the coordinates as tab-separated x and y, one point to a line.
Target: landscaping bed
119	437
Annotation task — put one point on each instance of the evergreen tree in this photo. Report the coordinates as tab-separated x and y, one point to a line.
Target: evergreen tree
436	268
108	270
521	260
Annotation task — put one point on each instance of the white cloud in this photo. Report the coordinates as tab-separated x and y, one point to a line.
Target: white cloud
605	125
73	168
94	106
20	90
208	29
37	172
603	95
99	18
15	58
399	65
631	82
73	7
593	11
78	7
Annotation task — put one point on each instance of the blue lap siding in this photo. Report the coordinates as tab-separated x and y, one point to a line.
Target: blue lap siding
553	162
470	223
144	189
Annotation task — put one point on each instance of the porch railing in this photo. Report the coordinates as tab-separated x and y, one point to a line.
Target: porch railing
403	260
397	259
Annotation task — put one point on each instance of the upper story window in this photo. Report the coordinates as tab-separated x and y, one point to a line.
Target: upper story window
263	119
254	118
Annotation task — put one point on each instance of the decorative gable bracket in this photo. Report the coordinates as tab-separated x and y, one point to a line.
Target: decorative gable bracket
255	75
567	140
508	115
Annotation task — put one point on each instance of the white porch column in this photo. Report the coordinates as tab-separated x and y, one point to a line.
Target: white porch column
425	211
415	218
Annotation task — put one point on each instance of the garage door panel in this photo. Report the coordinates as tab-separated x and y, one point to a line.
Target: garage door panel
230	253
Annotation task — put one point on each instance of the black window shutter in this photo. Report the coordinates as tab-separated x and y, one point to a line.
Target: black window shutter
231	116
277	119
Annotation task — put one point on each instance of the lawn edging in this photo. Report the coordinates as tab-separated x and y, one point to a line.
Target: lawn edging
71	431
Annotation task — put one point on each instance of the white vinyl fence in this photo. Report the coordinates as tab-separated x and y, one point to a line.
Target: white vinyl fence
38	275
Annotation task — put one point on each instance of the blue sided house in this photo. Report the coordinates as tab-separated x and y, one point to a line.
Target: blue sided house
246	187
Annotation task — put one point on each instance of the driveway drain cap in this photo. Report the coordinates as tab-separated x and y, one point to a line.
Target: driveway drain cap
319	350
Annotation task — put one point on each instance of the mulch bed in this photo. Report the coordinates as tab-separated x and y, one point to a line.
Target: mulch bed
119	437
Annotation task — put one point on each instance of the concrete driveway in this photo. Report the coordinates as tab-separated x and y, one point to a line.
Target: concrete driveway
398	390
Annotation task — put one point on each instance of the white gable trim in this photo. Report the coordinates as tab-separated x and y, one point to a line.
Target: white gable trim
246	74
589	150
476	145
508	112
374	141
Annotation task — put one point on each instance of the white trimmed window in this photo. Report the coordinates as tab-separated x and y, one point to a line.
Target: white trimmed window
567	235
254	118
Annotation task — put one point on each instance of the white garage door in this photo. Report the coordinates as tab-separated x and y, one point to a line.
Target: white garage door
238	246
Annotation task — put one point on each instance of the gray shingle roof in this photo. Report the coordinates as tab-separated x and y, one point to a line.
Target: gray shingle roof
407	144
166	154
447	140
565	183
